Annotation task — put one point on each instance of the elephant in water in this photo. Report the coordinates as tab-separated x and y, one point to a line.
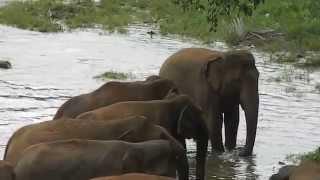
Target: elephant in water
6	171
307	170
134	176
111	92
131	129
218	82
182	118
77	159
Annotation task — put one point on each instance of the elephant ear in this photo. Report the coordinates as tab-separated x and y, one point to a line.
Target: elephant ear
172	93
213	71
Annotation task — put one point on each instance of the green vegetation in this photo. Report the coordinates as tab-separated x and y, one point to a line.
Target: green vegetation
288	26
314	155
113	75
52	15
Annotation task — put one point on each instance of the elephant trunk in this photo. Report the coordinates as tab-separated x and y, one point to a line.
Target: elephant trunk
249	100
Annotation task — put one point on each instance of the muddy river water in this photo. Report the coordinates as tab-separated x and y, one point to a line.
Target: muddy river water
50	68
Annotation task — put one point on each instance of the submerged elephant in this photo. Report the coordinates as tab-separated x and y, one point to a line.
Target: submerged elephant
182	118
218	82
6	171
77	159
111	92
134	176
131	129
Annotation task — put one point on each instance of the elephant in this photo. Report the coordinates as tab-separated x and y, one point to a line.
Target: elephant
218	82
306	170
111	92
131	129
283	173
134	176
80	159
176	113
6	171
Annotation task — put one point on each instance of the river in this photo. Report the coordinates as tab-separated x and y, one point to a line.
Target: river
52	67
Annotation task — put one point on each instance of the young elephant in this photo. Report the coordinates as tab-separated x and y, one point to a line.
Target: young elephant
131	129
134	176
176	113
6	171
112	92
77	159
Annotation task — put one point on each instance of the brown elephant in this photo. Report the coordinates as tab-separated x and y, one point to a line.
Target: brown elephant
218	82
79	159
6	171
111	92
182	118
131	129
134	176
306	170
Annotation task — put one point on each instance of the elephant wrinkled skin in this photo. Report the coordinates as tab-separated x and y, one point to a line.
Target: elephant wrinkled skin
218	82
131	129
77	159
176	113
111	92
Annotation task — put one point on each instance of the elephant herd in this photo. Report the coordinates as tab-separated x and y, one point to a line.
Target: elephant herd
137	130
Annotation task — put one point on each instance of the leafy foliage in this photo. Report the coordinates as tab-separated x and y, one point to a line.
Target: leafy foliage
216	9
315	155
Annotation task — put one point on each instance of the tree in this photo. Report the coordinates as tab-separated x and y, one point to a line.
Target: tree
219	8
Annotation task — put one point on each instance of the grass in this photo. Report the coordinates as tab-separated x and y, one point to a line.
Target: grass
295	24
113	75
313	156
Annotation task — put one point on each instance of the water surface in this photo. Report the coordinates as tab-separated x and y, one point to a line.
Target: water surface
50	68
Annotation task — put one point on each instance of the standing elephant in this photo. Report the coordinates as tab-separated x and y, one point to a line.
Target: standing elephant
6	171
77	159
131	129
182	118
111	92
218	82
134	176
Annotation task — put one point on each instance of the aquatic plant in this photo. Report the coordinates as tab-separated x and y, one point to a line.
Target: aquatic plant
113	75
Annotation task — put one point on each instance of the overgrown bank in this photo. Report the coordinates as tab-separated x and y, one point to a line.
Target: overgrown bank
285	26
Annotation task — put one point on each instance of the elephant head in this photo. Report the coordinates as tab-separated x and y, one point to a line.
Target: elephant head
232	79
191	124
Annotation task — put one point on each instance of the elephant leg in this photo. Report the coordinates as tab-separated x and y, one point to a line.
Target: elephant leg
182	162
216	134
202	146
231	123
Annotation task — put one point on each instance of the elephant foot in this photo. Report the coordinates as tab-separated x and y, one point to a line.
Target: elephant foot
217	148
244	152
230	147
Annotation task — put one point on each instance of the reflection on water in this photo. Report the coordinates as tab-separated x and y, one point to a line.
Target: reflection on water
50	68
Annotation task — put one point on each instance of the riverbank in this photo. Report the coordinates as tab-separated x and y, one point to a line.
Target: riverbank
288	29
